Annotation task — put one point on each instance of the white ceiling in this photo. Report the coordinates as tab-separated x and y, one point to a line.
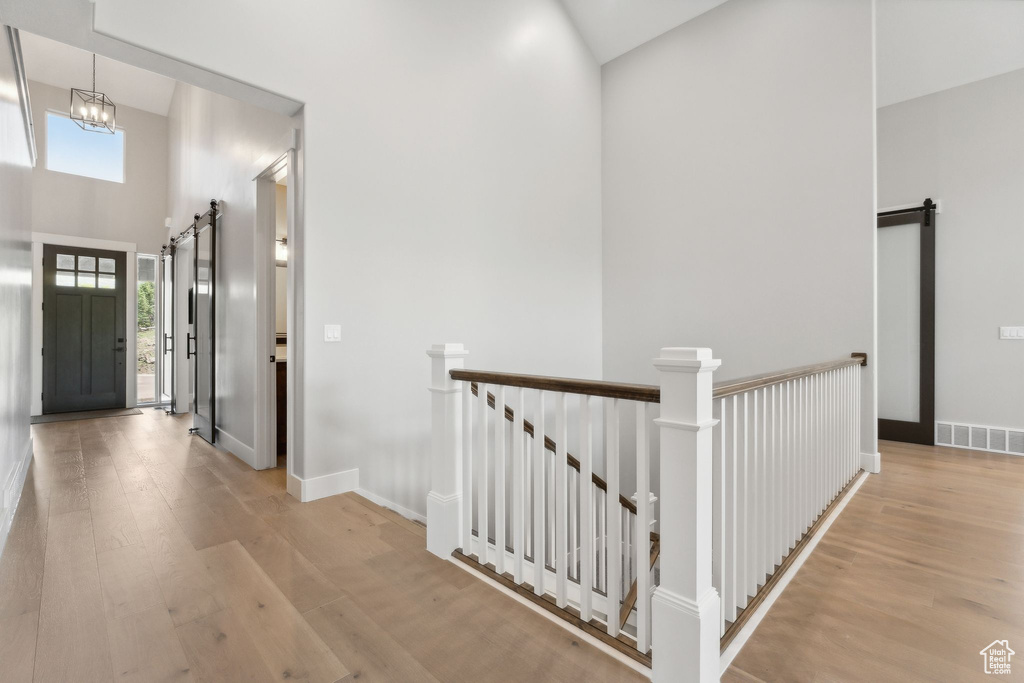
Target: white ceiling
924	46
66	67
613	27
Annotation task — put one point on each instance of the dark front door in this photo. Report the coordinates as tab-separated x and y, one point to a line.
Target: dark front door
83	329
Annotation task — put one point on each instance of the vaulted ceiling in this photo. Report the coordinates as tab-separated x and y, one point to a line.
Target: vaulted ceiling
923	46
614	27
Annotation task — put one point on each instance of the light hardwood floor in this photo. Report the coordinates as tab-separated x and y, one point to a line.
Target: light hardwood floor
923	569
140	554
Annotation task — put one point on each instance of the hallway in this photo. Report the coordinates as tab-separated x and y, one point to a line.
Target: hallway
923	569
140	554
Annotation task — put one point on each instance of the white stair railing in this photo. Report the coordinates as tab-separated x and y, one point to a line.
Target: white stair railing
784	449
747	468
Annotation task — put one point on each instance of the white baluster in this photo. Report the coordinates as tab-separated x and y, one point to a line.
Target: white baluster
518	486
482	524
766	488
467	469
573	478
539	456
586	511
757	498
848	417
775	500
602	541
857	398
550	515
732	476
848	473
444	501
805	457
527	491
743	535
833	445
720	516
791	469
499	479
613	549
641	540
561	503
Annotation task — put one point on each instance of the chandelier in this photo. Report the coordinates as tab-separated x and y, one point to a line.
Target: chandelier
92	110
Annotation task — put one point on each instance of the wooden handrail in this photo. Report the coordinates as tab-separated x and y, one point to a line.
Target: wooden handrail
648	393
745	384
587	387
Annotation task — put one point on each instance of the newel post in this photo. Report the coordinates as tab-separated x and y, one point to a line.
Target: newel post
445	498
685	606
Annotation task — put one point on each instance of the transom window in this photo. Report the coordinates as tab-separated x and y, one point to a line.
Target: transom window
86	271
69	149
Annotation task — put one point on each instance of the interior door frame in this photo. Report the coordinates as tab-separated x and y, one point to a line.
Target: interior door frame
275	164
922	431
131	305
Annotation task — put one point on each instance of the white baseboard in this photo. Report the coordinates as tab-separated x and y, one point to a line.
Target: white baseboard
321	487
11	494
871	462
748	628
228	443
385	503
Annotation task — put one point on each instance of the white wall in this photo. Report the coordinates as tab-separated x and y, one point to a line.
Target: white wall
15	291
452	193
133	211
739	192
214	143
965	147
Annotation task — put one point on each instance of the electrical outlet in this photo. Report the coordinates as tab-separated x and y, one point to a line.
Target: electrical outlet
332	333
1016	333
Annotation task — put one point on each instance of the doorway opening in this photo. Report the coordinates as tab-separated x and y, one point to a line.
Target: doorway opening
276	367
281	318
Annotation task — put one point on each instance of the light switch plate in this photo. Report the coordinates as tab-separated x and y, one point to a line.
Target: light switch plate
332	333
1015	333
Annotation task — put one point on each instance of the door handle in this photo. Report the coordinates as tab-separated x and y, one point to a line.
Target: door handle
168	345
119	348
189	349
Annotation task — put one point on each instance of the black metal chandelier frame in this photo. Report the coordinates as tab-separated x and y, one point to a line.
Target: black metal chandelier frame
93	110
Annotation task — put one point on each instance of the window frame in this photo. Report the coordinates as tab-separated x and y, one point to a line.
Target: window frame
124	150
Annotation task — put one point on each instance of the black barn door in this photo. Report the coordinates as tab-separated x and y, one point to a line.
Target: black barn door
83	329
906	324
